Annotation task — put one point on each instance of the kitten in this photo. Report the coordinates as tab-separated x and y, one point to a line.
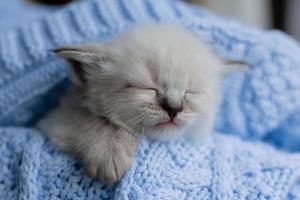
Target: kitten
156	80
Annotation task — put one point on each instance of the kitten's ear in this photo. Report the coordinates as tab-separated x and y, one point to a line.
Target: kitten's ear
230	65
80	58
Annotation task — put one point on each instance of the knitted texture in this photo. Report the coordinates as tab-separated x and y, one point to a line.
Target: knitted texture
222	168
14	12
259	104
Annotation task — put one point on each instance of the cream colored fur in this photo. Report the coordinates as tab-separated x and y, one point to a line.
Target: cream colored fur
118	93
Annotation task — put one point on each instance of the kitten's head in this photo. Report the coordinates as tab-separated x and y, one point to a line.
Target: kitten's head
154	79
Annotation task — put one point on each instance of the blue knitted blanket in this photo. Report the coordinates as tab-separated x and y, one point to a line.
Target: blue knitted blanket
261	104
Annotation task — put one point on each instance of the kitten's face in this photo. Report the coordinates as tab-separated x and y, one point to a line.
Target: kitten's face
154	80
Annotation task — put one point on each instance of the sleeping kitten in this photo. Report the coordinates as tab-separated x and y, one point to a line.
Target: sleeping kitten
155	80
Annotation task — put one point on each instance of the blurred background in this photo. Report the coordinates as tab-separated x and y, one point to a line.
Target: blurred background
265	14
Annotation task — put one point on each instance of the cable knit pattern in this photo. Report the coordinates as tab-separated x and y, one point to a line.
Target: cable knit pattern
222	168
261	104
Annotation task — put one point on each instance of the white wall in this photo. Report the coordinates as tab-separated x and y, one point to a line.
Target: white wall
252	12
293	18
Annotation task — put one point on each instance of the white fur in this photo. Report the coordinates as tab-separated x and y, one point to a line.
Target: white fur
124	80
175	63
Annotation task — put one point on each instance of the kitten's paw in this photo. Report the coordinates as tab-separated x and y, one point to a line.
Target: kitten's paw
109	159
109	167
106	150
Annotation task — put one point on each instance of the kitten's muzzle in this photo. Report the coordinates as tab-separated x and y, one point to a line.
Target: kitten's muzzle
172	110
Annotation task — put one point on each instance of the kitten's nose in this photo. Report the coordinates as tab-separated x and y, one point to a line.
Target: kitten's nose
172	110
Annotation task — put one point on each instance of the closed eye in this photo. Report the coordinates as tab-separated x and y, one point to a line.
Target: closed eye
191	92
140	87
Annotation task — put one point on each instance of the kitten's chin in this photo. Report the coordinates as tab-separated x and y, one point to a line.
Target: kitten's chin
167	125
165	131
